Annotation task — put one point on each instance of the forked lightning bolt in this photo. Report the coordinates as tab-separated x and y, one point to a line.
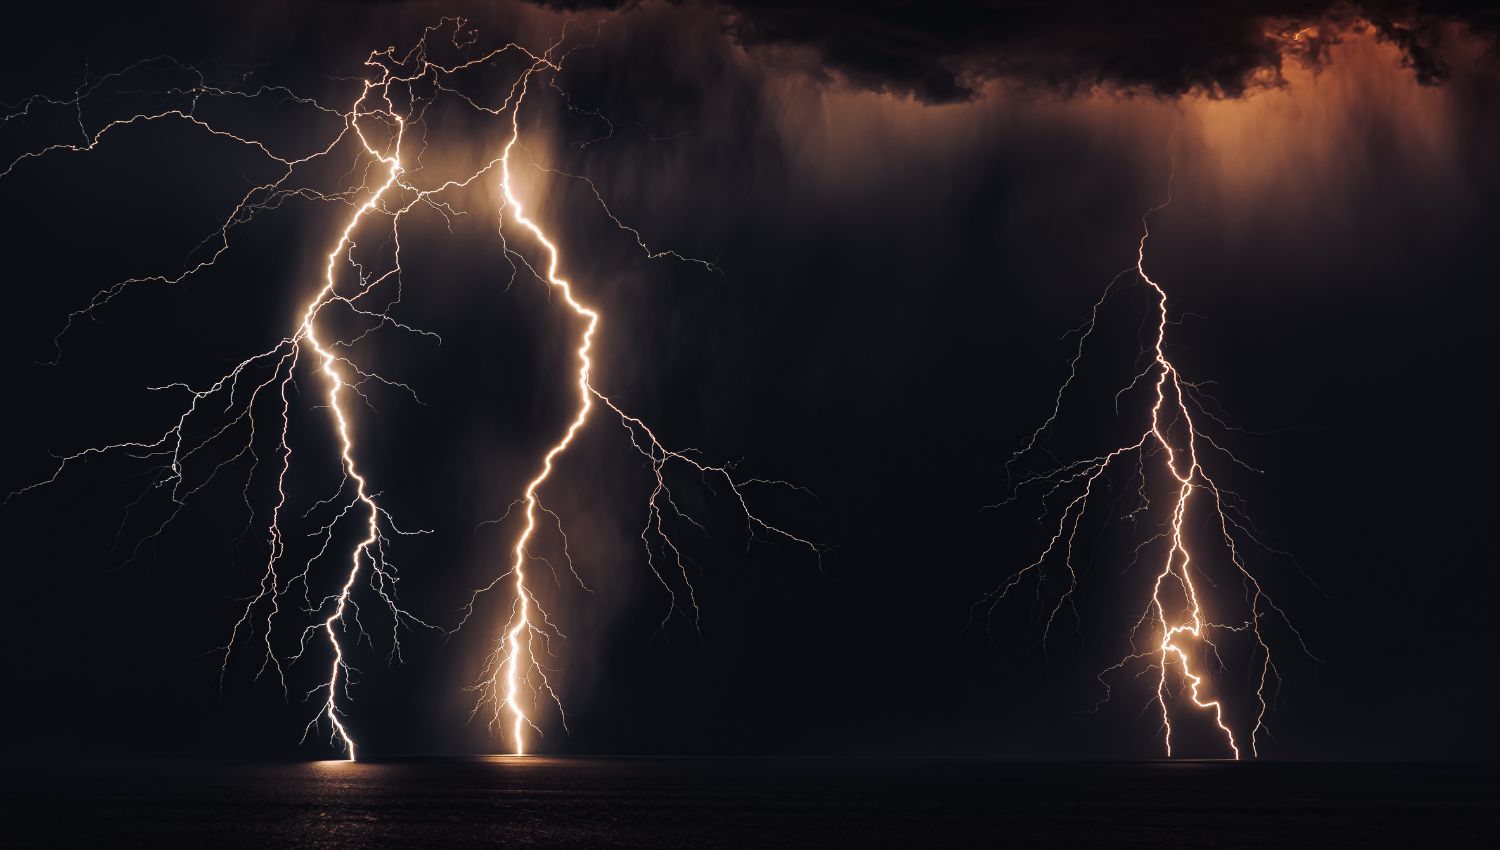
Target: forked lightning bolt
329	365
380	128
514	669
1179	631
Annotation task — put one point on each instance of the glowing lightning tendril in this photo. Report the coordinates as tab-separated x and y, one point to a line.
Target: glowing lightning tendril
414	80
1171	410
513	664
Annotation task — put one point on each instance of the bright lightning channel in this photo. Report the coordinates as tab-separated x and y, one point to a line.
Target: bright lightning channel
514	673
1176	437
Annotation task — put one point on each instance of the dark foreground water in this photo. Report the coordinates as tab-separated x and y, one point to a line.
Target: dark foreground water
543	802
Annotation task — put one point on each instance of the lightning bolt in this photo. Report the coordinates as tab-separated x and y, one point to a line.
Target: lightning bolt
329	366
382	126
514	672
1179	628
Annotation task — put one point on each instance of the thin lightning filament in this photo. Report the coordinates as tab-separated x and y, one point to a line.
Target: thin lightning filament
386	131
514	671
1174	436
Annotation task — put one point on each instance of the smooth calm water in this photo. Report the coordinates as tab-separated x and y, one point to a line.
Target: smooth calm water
581	802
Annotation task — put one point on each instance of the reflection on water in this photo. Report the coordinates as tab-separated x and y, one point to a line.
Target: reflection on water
557	802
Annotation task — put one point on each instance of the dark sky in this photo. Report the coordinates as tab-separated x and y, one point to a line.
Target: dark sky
909	208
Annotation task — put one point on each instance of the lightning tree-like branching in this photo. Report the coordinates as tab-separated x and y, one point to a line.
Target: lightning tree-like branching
244	422
1192	528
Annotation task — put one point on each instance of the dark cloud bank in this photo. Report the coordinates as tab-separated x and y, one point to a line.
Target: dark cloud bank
945	52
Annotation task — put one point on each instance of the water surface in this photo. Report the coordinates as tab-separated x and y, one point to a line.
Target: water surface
580	802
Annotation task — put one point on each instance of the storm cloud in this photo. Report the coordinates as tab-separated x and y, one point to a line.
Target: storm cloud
946	52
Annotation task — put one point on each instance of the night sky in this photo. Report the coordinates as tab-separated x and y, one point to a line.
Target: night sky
907	210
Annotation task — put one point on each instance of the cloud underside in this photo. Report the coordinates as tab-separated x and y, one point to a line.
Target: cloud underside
943	52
